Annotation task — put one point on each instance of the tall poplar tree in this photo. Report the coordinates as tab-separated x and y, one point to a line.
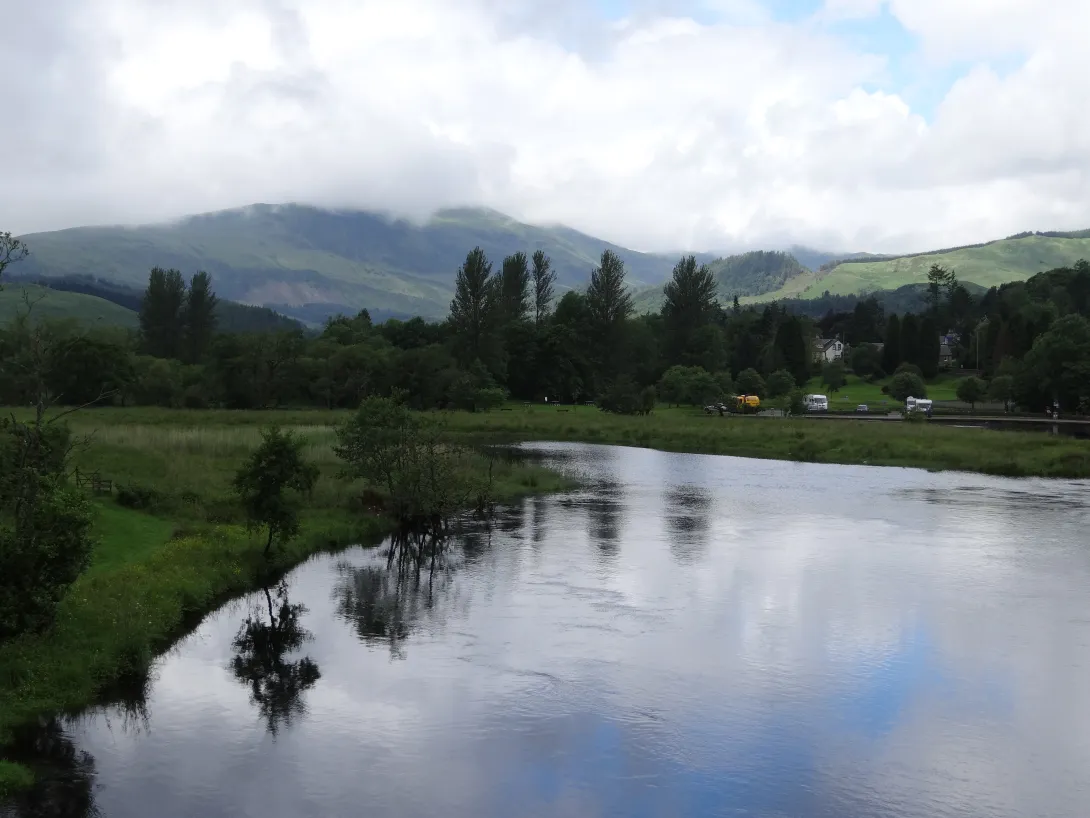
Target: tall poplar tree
200	317
609	304
515	288
162	327
544	279
474	312
689	305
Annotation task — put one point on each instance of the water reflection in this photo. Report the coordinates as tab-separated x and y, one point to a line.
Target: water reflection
688	521
385	598
261	658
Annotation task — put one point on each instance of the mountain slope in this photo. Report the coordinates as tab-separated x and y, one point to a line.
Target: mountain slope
294	255
988	265
51	304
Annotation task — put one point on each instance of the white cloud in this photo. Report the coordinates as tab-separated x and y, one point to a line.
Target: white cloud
657	131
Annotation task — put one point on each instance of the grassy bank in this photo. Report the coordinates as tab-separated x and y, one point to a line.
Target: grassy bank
178	549
876	443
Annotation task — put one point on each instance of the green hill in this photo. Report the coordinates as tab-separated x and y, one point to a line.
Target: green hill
52	304
747	275
293	255
988	265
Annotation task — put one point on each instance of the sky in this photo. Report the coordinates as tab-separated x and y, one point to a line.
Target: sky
846	125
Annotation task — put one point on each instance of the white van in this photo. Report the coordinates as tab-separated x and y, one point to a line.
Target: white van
816	403
917	404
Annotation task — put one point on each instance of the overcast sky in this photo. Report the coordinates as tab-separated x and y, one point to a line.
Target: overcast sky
884	125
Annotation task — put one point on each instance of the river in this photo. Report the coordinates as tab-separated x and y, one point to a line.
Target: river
685	636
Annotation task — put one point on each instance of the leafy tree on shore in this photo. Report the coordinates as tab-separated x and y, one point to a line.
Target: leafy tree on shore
1001	390
609	305
267	480
907	385
780	383
750	382
971	390
834	375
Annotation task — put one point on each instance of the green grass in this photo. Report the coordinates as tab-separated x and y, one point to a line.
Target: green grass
153	571
857	391
920	445
88	310
991	265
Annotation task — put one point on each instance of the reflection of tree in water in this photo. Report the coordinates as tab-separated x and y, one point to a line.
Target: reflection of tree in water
260	659
64	774
688	521
604	514
385	599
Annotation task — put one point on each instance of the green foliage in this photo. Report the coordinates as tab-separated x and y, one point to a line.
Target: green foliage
162	317
910	339
834	375
45	540
544	283
866	361
971	390
750	382
793	349
688	307
906	385
622	397
514	286
12	250
609	305
475	312
1001	389
780	383
1059	362
928	348
199	318
263	483
891	351
690	385
796	402
648	398
909	367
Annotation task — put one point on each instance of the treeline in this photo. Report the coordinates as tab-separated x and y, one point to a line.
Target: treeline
509	337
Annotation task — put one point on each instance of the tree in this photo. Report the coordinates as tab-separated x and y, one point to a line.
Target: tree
199	317
793	349
910	339
834	375
162	328
544	279
939	279
891	351
971	389
688	306
474	312
907	385
275	468
515	288
796	402
928	348
866	361
750	382
1001	389
1058	364
12	250
780	383
609	305
674	385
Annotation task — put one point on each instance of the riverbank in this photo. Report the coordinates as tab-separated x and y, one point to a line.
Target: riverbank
172	546
910	444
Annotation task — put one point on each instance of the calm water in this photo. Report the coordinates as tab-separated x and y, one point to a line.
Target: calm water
688	636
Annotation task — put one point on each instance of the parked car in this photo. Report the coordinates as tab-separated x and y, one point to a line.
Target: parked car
816	403
862	408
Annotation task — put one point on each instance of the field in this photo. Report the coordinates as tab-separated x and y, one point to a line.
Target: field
89	310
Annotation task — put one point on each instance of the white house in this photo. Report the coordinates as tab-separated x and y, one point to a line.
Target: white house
828	349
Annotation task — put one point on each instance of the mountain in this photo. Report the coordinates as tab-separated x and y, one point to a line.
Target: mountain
314	262
92	301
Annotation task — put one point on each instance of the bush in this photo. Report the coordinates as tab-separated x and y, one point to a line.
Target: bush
750	382
141	498
912	368
796	402
488	398
622	398
834	375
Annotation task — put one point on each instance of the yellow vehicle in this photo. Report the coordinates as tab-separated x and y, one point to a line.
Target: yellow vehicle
748	403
